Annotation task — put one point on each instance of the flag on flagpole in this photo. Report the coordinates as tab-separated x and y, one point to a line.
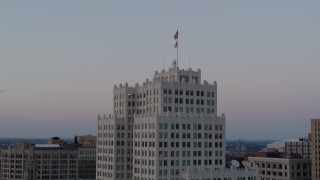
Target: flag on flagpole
176	45
176	35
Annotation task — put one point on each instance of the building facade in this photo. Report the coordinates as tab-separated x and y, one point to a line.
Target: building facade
301	147
204	173
40	161
160	128
282	168
315	144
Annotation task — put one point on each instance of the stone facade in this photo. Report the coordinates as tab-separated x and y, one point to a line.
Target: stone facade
45	161
282	168
315	150
160	128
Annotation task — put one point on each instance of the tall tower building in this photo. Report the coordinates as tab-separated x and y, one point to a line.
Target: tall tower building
315	150
161	128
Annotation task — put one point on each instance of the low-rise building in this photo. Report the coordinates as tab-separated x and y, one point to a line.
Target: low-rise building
282	168
216	173
24	161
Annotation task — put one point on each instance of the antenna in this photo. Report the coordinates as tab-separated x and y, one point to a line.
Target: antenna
235	163
189	59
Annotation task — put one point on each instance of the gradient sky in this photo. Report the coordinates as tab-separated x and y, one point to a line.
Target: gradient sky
59	61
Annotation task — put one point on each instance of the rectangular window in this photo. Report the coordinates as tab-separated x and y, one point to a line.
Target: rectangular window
176	92
160	125
187	92
191	93
165	91
165	109
181	92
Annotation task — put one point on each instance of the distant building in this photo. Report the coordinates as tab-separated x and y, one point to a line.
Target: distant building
301	147
87	157
315	148
278	165
40	161
282	168
87	141
55	140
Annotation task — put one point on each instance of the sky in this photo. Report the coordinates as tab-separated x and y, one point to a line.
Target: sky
59	61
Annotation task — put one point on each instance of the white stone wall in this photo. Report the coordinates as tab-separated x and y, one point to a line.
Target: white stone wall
176	142
175	94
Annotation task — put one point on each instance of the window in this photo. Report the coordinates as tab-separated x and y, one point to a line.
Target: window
165	100
165	109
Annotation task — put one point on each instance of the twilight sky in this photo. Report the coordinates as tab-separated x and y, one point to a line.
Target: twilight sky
59	61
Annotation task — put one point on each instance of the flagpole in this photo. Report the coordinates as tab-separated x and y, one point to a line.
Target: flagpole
177	52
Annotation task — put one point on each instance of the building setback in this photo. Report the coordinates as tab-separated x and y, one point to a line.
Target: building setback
161	128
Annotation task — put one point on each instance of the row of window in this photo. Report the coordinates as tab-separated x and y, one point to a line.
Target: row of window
188	153
188	162
187	101
188	126
188	110
188	144
182	92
